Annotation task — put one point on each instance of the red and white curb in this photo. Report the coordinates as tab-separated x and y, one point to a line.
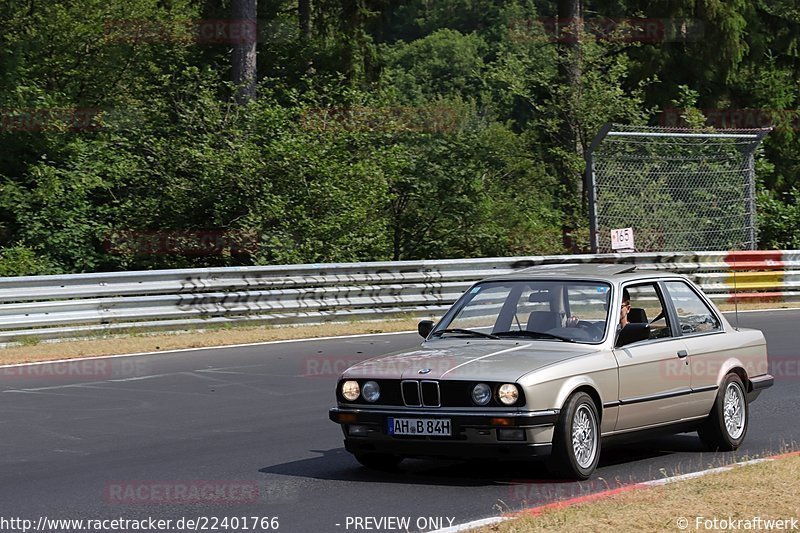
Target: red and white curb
535	511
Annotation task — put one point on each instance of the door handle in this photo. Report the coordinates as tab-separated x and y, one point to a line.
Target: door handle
683	353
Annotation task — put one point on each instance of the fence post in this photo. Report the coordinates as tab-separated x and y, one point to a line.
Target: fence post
751	170
591	186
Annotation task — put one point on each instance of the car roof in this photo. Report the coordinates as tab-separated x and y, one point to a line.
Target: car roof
603	271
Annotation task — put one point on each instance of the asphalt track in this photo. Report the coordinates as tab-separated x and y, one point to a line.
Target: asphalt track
144	436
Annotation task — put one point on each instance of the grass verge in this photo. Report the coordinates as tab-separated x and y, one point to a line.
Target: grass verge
140	342
755	306
767	490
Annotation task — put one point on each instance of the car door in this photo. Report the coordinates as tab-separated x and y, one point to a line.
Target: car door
703	334
654	376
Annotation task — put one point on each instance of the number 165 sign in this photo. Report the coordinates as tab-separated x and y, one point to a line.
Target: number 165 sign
622	239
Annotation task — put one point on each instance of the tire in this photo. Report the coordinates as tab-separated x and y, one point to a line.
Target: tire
379	461
576	439
726	426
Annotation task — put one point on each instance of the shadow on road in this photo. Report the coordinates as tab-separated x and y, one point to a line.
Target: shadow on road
338	465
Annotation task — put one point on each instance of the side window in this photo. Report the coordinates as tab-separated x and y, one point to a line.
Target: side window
647	307
694	316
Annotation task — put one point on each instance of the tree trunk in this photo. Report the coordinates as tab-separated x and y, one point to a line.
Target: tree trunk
304	15
244	49
350	25
569	27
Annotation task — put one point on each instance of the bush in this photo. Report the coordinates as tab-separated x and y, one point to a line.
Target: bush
779	221
22	261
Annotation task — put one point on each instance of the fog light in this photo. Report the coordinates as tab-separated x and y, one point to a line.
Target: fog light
359	431
511	434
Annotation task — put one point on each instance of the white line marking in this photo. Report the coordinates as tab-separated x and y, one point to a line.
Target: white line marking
86	384
205	348
472	525
214	371
54	387
763	310
139	378
755	461
690	475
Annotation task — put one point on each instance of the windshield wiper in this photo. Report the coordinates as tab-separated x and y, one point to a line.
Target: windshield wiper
464	332
532	334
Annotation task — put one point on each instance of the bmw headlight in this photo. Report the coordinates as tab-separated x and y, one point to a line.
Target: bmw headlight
508	394
481	394
350	390
371	391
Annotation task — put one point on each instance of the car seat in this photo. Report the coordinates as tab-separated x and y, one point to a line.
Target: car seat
543	321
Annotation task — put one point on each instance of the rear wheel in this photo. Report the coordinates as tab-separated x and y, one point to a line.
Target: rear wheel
379	461
576	439
726	425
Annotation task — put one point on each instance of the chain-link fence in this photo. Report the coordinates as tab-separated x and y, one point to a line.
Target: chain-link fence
678	189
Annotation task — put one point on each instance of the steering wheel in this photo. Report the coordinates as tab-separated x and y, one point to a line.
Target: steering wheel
590	328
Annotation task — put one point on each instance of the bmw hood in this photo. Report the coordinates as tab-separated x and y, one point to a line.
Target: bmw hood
459	359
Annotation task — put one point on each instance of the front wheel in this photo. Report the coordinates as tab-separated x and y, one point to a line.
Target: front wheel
576	439
726	426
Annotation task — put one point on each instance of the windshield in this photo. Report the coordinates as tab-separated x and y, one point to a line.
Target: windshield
554	310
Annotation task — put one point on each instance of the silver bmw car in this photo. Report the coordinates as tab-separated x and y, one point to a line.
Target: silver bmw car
551	362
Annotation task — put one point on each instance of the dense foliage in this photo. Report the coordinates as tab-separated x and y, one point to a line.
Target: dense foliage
382	130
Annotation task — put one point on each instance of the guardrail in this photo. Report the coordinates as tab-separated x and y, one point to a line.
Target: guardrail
49	307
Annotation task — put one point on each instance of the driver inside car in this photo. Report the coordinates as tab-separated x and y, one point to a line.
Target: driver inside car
574	320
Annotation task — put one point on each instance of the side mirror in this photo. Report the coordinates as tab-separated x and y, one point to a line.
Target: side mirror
424	328
633	332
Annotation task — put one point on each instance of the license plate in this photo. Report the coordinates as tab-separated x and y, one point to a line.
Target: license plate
426	427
